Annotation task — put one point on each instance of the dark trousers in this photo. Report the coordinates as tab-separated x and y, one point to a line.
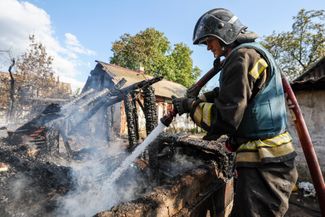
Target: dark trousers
264	191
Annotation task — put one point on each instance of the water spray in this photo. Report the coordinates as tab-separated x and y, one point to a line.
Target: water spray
165	121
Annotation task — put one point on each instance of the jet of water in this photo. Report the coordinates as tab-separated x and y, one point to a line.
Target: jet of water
137	151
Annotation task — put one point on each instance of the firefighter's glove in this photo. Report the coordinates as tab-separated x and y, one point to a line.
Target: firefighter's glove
210	96
183	104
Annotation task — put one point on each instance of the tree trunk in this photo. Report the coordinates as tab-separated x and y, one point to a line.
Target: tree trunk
11	92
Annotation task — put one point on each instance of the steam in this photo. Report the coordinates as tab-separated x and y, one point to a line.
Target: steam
3	128
181	163
103	175
24	195
93	191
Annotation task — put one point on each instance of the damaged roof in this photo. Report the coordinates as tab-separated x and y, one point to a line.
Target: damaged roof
312	78
162	88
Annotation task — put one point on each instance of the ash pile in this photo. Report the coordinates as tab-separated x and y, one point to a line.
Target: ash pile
60	164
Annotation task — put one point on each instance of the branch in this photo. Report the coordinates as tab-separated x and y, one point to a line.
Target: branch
13	61
297	59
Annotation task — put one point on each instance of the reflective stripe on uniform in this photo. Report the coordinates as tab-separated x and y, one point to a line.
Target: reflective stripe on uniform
202	114
248	157
258	68
257	150
270	142
278	151
197	116
207	113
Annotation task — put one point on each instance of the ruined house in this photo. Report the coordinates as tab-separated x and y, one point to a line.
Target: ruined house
184	177
309	89
32	101
106	75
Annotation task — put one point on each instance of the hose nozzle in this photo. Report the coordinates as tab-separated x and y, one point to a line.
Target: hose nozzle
167	119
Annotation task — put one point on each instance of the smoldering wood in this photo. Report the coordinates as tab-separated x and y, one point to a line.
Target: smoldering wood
95	102
109	117
51	112
116	96
187	192
150	108
53	142
43	182
150	111
131	121
215	149
191	194
58	120
194	192
135	113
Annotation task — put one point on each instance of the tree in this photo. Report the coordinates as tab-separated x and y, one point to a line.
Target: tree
34	78
11	90
151	50
181	58
35	68
299	48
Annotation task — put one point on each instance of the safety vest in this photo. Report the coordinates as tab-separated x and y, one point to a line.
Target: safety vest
265	115
265	120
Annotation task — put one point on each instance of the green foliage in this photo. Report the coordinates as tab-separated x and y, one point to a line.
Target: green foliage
299	48
151	50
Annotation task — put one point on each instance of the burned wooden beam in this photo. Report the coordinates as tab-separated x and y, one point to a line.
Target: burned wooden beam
150	111
53	118
150	108
51	112
133	133
135	113
115	97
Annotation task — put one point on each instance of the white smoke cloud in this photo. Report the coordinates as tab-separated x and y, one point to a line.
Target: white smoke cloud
93	192
19	19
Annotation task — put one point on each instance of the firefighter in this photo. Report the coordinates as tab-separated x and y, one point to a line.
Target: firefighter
249	107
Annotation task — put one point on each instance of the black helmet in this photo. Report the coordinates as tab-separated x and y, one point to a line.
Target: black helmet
220	23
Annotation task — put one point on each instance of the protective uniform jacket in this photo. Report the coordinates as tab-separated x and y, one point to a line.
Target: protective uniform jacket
265	115
249	107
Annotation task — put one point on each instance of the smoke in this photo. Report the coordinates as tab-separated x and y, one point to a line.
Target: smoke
3	128
93	192
94	162
8	125
181	163
24	195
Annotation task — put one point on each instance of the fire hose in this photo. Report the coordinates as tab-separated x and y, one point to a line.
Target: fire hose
300	125
193	91
306	144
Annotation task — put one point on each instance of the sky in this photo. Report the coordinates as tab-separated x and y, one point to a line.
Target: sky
78	32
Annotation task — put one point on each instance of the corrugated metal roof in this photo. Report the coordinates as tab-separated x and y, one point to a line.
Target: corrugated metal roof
313	77
163	88
313	73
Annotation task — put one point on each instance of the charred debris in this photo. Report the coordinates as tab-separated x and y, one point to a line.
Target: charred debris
179	175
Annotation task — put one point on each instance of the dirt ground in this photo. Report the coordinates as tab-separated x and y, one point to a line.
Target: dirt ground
301	206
